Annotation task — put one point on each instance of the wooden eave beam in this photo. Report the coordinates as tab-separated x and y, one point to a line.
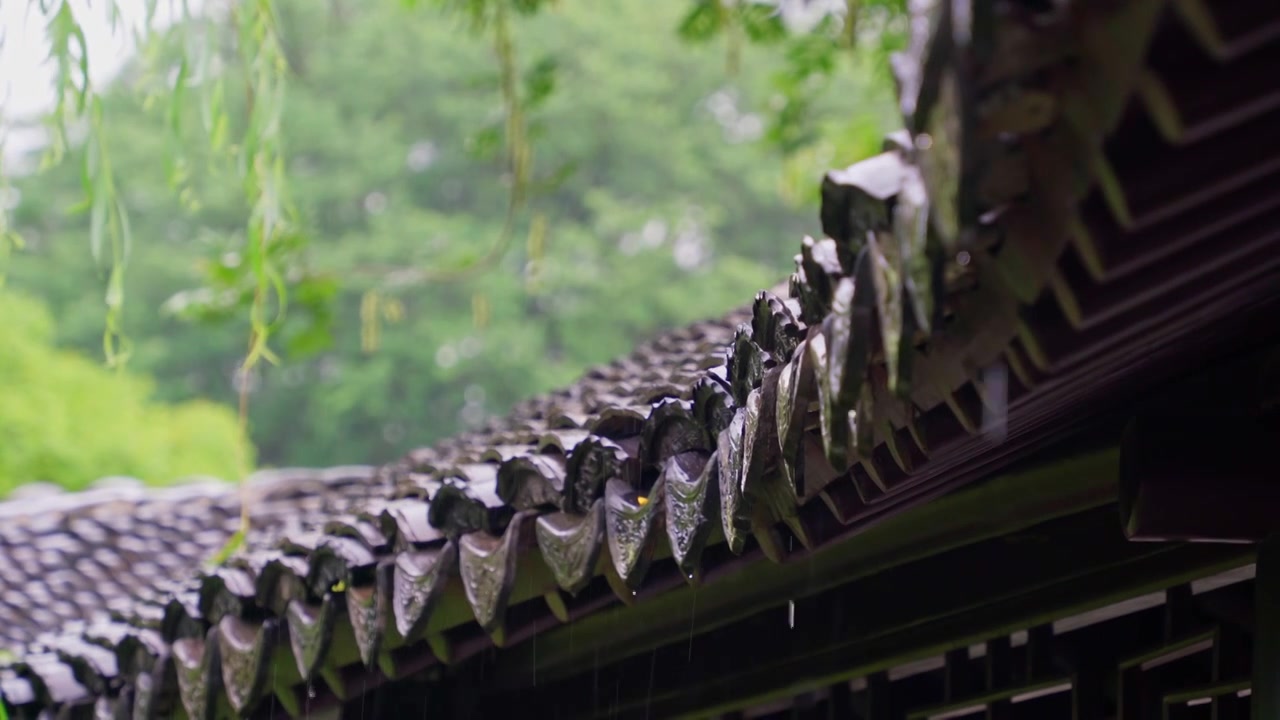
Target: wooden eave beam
1001	506
954	599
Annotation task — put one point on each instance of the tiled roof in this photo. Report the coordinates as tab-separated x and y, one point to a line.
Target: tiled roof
125	567
80	555
1080	202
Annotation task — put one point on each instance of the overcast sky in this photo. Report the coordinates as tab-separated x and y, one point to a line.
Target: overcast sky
27	74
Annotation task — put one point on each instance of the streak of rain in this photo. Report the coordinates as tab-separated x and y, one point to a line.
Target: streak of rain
995	409
693	617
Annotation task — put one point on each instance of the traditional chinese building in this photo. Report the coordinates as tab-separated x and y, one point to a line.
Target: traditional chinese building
1003	447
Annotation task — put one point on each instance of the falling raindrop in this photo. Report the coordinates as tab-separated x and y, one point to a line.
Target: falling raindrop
995	411
791	614
274	669
421	155
693	619
375	203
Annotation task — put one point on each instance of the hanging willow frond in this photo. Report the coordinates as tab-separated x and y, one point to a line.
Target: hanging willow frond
10	240
518	150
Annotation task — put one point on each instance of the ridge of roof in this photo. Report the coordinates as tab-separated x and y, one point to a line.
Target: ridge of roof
266	485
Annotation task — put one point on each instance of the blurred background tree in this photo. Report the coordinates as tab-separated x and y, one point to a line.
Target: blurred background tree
665	158
68	420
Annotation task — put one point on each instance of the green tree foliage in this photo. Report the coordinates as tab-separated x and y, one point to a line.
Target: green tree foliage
67	419
656	196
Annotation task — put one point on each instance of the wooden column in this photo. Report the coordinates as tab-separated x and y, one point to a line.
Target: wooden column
1266	639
